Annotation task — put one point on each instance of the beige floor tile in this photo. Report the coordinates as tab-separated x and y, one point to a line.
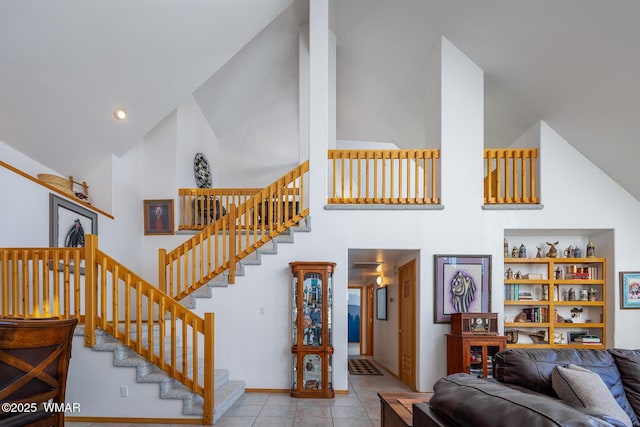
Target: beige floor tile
274	421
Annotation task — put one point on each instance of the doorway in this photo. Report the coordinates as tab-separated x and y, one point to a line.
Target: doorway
354	316
407	323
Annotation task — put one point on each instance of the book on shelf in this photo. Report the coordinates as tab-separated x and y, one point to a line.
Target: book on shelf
588	339
579	276
536	314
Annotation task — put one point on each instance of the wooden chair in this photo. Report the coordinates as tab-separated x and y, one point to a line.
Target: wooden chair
34	360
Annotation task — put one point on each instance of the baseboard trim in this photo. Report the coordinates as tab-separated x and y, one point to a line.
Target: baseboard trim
194	421
282	390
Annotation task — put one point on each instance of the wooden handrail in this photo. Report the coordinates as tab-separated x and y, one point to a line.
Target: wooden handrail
240	231
384	176
510	176
44	282
54	189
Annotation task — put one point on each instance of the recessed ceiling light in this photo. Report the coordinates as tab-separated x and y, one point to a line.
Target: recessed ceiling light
119	113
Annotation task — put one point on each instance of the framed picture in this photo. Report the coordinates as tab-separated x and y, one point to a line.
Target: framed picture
381	303
158	216
629	289
462	285
68	223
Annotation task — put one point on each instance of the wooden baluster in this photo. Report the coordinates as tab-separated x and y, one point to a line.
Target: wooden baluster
194	357
35	284
532	174
138	316
150	326
76	283
127	310
5	279
174	341
66	284
103	293
232	241
161	337
115	283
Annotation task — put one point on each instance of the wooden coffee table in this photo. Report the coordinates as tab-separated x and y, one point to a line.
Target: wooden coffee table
397	408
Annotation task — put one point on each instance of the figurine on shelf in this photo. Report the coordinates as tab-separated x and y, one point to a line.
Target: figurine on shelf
591	250
514	252
577	252
569	252
539	253
518	275
593	295
523	251
508	274
553	251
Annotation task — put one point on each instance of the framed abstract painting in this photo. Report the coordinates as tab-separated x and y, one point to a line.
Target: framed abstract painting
462	285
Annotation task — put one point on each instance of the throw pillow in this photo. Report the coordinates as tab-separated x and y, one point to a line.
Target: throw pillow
584	388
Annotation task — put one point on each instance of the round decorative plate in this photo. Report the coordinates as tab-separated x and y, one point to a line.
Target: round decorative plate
202	171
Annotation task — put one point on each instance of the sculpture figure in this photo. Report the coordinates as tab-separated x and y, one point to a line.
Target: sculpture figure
553	251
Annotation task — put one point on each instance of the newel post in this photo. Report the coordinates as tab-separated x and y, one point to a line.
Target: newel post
90	289
209	369
162	276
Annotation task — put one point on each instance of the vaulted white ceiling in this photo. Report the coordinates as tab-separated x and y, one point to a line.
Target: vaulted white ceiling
65	64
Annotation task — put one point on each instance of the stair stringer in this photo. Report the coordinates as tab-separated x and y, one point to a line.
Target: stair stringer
226	392
269	248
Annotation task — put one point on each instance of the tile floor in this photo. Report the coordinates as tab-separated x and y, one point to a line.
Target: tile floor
359	408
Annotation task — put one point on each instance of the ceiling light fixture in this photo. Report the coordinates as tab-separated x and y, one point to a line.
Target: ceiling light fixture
119	113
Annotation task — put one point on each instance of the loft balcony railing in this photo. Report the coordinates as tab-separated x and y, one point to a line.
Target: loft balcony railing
510	176
384	176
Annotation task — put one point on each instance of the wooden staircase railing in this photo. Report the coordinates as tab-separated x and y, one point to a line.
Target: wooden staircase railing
88	284
227	239
384	176
511	176
58	284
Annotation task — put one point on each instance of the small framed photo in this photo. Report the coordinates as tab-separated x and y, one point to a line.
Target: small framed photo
462	285
68	223
629	289
158	216
381	303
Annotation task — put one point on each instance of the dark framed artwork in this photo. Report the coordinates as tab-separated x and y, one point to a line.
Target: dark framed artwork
629	289
381	303
158	216
68	223
462	285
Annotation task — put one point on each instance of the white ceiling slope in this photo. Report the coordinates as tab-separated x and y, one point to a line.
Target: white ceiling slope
66	64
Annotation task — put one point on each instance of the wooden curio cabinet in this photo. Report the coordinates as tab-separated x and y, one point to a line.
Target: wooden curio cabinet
312	337
473	354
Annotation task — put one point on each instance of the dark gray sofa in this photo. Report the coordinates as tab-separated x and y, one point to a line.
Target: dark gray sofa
521	394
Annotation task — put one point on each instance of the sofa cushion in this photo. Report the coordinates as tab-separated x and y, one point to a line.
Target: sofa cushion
584	388
628	363
470	401
532	367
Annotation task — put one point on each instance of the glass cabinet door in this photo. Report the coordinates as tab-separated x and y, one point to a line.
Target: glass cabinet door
312	310
312	371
